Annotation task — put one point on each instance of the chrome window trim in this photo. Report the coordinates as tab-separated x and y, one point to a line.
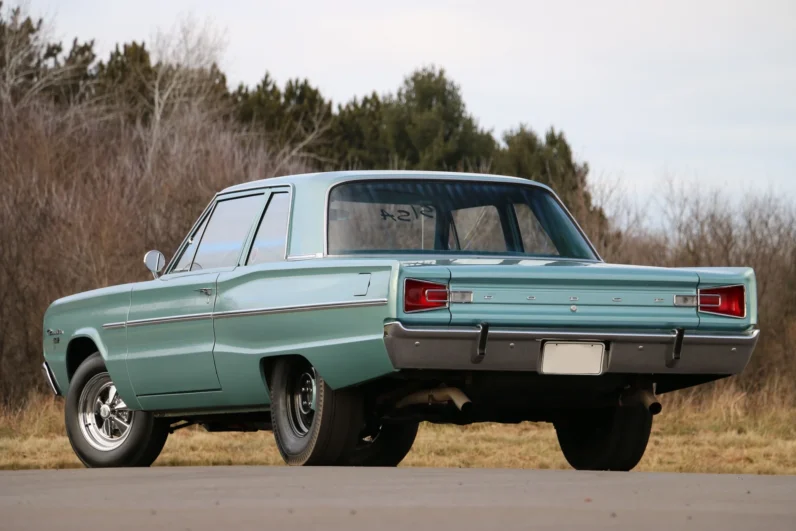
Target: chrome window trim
431	177
253	311
249	244
292	197
297	257
181	248
249	235
745	301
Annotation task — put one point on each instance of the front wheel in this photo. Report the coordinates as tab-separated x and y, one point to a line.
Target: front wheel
312	424
606	439
103	432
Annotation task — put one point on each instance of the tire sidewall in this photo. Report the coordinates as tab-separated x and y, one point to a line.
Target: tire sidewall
130	451
391	445
610	439
294	449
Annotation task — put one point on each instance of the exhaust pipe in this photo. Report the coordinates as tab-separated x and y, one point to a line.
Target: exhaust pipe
643	397
438	396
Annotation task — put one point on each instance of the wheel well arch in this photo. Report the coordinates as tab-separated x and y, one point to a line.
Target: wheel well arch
77	351
267	365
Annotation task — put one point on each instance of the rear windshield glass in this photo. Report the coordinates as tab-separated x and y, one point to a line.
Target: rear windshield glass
461	217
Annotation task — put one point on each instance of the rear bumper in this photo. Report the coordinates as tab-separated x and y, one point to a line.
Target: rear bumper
48	375
518	349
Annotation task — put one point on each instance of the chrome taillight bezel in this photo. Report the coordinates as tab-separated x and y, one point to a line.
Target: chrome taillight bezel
700	305
436	287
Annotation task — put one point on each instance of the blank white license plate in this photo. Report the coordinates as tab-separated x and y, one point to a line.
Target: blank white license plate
559	357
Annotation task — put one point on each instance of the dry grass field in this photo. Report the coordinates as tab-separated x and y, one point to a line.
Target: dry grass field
723	431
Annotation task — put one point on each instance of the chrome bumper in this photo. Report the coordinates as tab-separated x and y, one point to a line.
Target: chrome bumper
515	349
48	375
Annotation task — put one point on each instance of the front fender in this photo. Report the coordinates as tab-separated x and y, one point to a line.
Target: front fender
113	349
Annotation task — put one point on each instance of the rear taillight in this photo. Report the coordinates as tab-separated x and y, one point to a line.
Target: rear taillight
727	300
421	295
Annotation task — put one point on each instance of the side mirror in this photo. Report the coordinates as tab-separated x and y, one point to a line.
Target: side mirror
155	262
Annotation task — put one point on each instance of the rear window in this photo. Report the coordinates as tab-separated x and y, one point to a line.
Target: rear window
458	217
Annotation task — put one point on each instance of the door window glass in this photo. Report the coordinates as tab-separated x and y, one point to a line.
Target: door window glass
187	255
269	242
226	232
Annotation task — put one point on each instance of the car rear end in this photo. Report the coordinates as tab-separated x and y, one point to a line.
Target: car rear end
507	313
575	318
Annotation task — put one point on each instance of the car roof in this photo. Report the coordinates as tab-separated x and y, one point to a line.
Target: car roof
328	179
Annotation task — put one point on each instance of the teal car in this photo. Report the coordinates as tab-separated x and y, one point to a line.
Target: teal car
339	310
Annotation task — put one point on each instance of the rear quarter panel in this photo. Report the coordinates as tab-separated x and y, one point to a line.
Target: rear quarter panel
344	344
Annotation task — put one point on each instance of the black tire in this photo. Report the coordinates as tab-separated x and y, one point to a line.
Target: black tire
606	439
144	438
387	447
327	435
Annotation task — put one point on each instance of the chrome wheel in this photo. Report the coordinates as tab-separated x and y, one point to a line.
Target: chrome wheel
301	403
104	418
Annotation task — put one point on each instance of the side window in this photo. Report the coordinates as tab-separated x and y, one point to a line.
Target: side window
479	228
226	232
271	238
184	263
534	238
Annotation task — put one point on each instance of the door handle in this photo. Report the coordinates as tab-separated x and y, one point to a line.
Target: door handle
205	291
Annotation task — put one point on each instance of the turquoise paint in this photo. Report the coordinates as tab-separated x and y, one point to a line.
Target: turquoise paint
331	339
82	315
215	363
173	356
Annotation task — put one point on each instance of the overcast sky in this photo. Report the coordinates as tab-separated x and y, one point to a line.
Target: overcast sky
702	91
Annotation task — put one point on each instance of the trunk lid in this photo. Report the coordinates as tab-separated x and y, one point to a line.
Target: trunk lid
571	293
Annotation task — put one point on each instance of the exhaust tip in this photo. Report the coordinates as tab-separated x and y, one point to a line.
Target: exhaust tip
655	408
466	408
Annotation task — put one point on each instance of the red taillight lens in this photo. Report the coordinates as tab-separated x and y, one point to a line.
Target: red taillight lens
730	301
422	295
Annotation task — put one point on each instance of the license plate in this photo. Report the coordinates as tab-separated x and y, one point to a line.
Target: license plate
572	358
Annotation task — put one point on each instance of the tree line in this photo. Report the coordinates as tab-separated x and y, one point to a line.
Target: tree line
102	159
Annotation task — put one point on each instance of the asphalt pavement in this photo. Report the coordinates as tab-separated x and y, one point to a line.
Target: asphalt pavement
281	498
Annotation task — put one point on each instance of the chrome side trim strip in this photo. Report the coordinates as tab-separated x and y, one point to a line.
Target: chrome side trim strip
50	380
170	319
295	257
253	311
301	308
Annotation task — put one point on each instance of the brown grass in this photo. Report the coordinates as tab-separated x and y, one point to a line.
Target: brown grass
724	431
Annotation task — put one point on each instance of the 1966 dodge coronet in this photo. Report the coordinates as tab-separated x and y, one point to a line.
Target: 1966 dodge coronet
339	310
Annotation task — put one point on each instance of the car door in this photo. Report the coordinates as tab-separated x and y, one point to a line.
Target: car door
170	334
259	282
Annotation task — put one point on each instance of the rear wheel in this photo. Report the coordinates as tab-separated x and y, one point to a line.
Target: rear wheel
312	424
606	439
384	445
103	432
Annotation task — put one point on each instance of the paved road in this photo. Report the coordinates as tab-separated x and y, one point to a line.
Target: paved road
237	498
